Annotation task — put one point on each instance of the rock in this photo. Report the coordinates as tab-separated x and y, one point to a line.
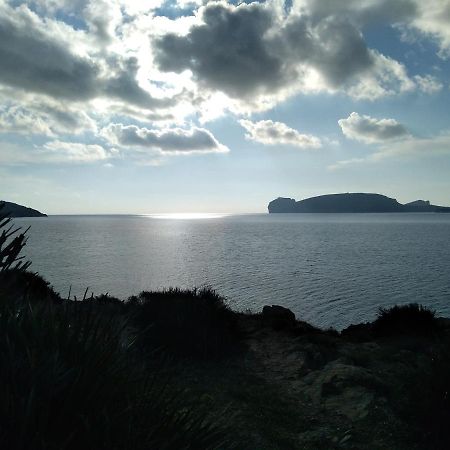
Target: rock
278	317
344	389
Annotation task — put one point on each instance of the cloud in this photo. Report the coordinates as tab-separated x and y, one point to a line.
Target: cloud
252	52
169	141
268	132
53	152
63	152
37	56
33	60
370	130
69	68
432	20
410	147
428	84
43	118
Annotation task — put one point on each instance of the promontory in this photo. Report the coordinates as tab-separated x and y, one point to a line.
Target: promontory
351	203
15	210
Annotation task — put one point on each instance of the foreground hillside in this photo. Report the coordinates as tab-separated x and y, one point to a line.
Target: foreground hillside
179	370
219	379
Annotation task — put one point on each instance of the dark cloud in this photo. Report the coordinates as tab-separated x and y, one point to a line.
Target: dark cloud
31	59
249	50
35	60
123	86
171	140
229	52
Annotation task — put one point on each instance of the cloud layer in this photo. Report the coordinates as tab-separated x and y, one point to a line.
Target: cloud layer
74	71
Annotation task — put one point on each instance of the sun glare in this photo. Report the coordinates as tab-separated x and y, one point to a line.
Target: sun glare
186	216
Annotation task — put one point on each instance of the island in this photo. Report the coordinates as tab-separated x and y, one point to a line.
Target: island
15	210
351	203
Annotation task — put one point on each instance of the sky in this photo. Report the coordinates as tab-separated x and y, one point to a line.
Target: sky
164	106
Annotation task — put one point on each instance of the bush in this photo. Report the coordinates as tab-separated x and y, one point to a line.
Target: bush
68	380
28	286
412	319
187	323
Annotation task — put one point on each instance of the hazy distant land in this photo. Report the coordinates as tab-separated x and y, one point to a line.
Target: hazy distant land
351	203
15	210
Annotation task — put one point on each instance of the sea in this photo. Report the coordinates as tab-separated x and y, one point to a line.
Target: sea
331	270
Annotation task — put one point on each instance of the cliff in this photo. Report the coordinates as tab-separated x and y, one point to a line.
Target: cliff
350	203
15	210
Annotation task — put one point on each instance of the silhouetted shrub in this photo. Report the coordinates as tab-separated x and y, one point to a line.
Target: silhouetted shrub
412	319
187	323
68	380
28	286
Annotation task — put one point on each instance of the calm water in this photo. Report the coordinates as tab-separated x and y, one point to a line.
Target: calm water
330	269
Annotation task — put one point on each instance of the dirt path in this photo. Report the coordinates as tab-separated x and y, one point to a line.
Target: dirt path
341	402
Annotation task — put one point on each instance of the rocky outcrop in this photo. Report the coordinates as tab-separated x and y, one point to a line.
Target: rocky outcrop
278	317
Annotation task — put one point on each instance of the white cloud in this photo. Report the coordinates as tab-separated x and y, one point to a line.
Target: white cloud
428	84
268	132
53	152
64	152
43	117
432	19
370	130
410	147
168	141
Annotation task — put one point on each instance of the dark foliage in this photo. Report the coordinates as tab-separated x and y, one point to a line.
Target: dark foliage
68	380
27	286
412	319
425	399
361	332
11	244
187	323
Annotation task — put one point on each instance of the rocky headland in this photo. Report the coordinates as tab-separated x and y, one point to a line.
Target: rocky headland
351	203
15	210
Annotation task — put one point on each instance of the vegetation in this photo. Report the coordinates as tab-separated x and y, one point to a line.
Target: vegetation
406	319
186	323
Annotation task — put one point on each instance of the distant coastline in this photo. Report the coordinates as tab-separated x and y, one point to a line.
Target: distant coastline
351	203
15	210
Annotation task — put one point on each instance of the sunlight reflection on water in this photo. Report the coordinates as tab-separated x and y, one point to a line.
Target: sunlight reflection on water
186	216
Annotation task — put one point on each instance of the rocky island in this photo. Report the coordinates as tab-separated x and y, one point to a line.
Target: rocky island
351	203
15	210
